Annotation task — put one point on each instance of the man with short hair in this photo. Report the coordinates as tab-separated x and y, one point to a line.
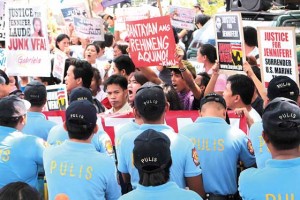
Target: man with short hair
279	179
37	124
219	146
150	105
75	168
117	94
280	86
152	158
79	74
21	154
238	95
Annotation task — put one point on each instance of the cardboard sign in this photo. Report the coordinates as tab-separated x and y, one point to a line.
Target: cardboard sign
96	7
2	59
229	42
175	119
89	28
2	21
107	3
57	97
152	42
27	44
69	11
278	54
124	15
59	64
182	17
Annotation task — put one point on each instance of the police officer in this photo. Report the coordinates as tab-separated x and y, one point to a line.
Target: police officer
220	147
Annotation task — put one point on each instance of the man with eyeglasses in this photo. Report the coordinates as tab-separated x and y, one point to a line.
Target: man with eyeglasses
20	154
220	147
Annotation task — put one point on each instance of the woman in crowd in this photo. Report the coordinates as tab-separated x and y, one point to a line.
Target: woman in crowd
62	43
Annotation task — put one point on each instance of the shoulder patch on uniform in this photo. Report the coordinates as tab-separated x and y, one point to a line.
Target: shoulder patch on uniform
61	196
109	147
195	156
250	147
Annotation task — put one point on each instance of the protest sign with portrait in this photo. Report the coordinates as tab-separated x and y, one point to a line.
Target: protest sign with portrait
27	44
229	42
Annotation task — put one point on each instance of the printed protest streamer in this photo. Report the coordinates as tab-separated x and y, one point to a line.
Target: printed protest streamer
152	42
133	14
107	3
59	64
175	119
182	17
278	54
89	28
229	42
69	11
2	21
27	44
2	59
57	97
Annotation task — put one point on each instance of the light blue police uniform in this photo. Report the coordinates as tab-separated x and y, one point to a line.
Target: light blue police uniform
122	130
262	153
100	140
21	155
80	172
168	190
183	164
278	180
219	148
37	125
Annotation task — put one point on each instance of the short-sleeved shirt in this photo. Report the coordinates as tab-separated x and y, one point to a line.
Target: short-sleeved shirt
219	148
100	140
168	190
80	172
21	155
37	125
183	164
262	153
279	179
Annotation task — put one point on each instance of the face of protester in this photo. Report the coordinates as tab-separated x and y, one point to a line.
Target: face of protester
133	86
4	90
91	54
229	98
37	26
200	57
117	52
70	80
178	83
116	96
63	44
94	86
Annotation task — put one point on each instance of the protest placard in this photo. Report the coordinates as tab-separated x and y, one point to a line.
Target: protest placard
229	42
96	7
133	14
2	59
69	11
152	42
107	3
27	44
57	97
182	17
59	64
277	47
89	28
2	21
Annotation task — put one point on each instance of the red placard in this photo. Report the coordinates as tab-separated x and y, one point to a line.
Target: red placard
175	119
152	42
